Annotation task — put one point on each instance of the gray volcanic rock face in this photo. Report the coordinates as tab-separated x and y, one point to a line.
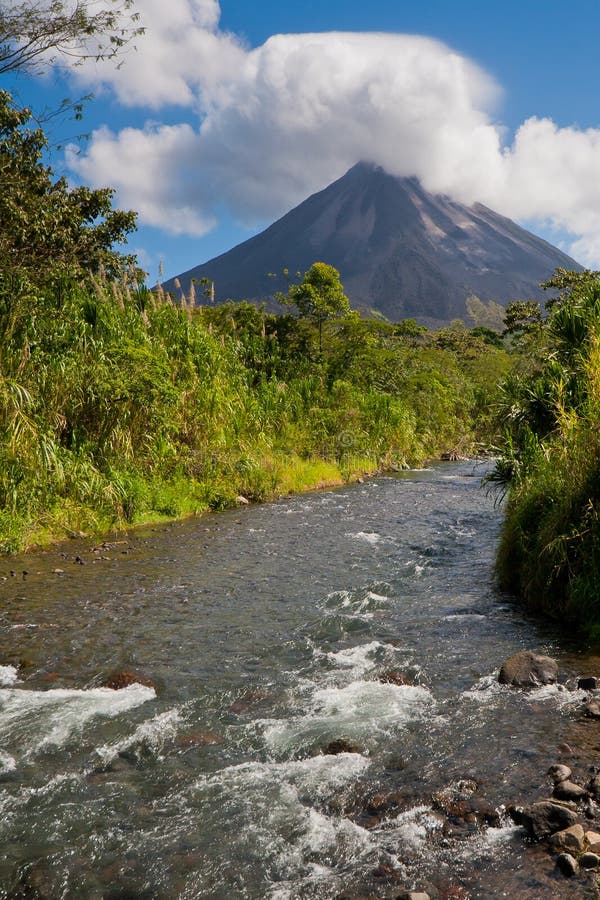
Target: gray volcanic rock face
401	251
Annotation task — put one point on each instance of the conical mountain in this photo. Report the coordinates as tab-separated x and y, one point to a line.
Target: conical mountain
401	251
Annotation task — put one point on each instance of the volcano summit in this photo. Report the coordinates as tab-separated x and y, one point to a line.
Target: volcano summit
401	251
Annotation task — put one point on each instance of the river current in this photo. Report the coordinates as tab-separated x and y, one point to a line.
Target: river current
270	633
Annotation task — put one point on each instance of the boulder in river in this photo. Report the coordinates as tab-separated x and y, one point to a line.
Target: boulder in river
123	678
393	676
543	818
341	745
528	669
588	684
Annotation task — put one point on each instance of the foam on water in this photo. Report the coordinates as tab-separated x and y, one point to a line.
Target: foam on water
370	537
8	676
326	838
363	710
7	763
556	694
41	720
358	658
318	777
149	736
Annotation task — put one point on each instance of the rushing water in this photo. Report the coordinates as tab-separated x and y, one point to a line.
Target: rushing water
270	632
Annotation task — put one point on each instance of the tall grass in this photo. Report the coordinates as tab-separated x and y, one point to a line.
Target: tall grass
549	553
119	405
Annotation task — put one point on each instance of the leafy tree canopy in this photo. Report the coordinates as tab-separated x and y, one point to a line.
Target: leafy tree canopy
46	227
319	296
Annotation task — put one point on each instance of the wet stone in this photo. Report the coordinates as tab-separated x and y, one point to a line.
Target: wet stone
588	684
572	838
593	840
567	864
543	818
387	872
413	895
592	709
594	786
568	790
341	745
125	678
589	860
394	677
559	773
528	669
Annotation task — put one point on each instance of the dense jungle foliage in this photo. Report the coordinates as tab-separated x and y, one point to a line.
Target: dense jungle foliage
550	463
119	404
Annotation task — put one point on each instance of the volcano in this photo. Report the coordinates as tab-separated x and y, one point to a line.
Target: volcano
400	250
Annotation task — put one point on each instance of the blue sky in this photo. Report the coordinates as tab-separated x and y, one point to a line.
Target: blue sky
215	127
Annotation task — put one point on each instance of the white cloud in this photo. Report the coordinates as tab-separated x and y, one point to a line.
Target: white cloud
272	124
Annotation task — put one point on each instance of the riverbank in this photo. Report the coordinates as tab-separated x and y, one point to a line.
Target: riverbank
186	498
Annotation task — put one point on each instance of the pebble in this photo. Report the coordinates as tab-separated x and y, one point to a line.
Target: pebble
589	861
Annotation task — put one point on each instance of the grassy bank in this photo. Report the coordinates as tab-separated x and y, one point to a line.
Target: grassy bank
120	406
549	553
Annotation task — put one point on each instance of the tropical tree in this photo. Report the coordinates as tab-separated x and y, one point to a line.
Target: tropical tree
46	227
318	297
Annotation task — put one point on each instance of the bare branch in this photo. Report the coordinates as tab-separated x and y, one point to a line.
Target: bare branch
36	35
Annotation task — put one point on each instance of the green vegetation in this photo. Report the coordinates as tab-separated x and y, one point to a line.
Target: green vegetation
550	463
120	405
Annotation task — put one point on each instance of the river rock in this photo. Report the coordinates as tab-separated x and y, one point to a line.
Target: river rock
543	818
592	709
394	677
528	669
568	790
589	860
593	841
572	838
413	895
124	678
588	684
387	872
594	787
341	745
559	773
567	864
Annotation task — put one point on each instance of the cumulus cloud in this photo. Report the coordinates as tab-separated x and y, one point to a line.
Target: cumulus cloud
267	126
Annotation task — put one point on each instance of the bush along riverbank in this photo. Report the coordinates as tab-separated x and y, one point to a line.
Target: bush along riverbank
120	405
550	456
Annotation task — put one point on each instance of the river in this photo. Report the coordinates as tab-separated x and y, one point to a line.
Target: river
270	632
